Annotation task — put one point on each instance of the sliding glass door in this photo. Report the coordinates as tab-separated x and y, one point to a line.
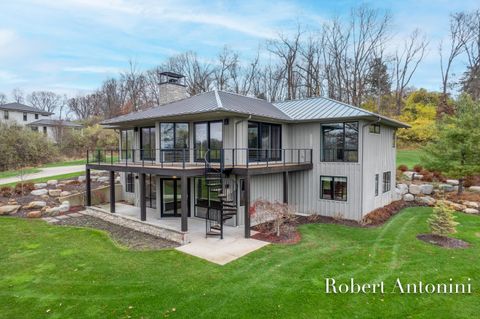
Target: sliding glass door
173	141
264	142
208	135
147	143
126	144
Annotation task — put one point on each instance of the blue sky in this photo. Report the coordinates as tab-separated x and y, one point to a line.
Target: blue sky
71	46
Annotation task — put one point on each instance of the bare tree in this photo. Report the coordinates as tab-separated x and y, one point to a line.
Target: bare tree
460	34
18	95
226	69
405	63
3	98
134	82
286	49
45	100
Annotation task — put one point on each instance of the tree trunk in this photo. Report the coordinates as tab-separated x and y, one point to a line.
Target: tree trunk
460	186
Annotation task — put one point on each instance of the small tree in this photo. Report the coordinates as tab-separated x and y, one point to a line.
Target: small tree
275	217
456	149
442	222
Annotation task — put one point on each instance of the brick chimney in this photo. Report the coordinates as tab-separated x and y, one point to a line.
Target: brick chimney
171	87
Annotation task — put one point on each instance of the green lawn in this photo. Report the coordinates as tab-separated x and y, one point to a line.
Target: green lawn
45	179
7	174
59	272
408	157
66	163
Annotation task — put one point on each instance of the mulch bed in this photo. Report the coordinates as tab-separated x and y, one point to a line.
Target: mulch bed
132	239
443	241
291	238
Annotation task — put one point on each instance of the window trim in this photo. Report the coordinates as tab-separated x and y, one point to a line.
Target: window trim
374	126
322	141
387	182
377	182
200	156
25	116
36	116
268	157
333	188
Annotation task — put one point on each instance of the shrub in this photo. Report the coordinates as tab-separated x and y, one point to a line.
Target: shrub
403	168
418	168
274	218
382	214
6	191
442	222
24	189
427	177
469	181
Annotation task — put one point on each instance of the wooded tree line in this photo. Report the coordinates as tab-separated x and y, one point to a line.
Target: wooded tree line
352	59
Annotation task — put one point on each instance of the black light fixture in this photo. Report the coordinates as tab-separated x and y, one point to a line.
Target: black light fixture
135	128
225	122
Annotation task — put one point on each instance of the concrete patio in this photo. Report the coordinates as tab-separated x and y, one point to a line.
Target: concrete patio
193	242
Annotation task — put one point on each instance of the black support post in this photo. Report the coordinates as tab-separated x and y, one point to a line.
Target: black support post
143	199
89	187
247	206
112	191
285	187
184	187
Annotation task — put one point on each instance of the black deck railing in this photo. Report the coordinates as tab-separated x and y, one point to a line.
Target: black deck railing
183	157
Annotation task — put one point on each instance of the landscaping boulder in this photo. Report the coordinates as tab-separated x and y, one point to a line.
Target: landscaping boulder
403	188
65	193
453	182
430	201
103	179
34	214
39	192
60	185
40	185
470	211
397	194
426	189
408	175
414	189
52	211
9	209
418	176
45	197
52	182
408	197
70	181
54	192
81	178
36	204
94	178
455	206
65	207
471	204
475	189
446	187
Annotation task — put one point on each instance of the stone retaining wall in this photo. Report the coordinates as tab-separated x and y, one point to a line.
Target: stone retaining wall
138	225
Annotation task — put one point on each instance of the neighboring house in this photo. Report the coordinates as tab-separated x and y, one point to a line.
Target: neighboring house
213	155
36	119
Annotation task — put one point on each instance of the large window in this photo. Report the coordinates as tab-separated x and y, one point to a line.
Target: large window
147	143
340	142
387	181
126	144
173	140
208	135
264	142
129	182
333	188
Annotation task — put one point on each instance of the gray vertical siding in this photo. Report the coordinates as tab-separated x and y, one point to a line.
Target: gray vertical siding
379	157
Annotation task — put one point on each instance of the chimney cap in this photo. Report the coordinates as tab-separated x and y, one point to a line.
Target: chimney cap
172	75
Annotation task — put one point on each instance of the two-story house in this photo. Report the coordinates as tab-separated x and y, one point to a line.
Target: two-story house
212	155
36	119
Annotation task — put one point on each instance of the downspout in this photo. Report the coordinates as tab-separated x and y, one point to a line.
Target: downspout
363	151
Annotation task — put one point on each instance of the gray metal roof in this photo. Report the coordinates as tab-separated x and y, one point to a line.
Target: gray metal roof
22	108
321	108
311	109
205	102
53	122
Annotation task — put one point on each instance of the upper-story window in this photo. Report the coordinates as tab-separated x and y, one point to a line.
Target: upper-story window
340	142
374	128
5	115
174	141
264	142
126	144
36	116
25	116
